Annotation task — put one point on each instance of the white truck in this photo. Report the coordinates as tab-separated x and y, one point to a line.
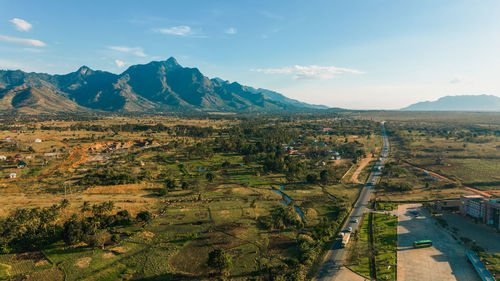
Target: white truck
345	239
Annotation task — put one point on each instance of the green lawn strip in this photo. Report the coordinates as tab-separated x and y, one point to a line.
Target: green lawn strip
385	245
385	206
359	251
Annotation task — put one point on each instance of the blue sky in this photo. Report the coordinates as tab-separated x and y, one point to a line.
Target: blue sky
370	54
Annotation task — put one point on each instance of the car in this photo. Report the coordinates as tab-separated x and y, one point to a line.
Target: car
356	221
349	229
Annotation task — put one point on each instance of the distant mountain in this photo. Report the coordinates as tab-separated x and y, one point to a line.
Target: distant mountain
459	103
278	97
159	86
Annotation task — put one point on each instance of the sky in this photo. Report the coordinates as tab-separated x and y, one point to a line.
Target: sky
371	54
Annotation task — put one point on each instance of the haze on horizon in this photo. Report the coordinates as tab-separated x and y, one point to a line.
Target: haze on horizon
350	54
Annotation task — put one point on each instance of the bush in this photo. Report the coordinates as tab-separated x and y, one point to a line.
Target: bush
144	216
219	260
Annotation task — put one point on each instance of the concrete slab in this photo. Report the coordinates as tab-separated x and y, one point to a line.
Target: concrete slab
445	260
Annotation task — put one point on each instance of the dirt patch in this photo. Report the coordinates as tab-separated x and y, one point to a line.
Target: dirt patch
148	234
120	250
108	255
35	257
224	212
362	165
303	191
83	262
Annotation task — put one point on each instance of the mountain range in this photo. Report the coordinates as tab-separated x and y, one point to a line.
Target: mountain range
158	86
487	103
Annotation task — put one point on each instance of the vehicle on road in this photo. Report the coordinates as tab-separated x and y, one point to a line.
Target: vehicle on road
345	239
422	244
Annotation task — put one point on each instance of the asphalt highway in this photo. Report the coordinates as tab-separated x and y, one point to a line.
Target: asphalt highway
335	259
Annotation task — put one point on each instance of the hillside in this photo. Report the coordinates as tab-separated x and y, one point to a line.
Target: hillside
159	86
458	103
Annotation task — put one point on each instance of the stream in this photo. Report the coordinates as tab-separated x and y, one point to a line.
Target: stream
286	200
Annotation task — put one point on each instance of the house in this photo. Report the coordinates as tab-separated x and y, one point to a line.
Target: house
38	140
7	139
3	157
21	164
12	175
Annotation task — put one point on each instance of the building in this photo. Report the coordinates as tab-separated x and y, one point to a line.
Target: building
3	157
471	205
38	140
481	208
492	213
21	164
12	175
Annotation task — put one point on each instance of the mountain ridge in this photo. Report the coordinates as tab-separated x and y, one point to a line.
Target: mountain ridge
157	86
486	103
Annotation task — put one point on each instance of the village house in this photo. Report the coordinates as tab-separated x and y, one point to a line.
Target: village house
12	175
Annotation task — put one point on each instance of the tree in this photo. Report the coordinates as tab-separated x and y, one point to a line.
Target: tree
144	216
101	238
73	232
311	178
170	183
219	260
210	176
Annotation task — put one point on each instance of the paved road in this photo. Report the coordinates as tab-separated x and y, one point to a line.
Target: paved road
444	261
332	265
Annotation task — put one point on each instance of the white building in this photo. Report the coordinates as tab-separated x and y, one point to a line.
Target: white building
12	175
38	140
3	157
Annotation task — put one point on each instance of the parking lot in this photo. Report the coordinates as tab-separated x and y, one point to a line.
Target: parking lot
445	260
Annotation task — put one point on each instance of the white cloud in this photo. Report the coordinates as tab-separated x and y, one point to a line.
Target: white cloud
181	30
138	51
309	72
120	63
24	41
231	30
21	24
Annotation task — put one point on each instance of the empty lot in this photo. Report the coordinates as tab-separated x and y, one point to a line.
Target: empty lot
445	260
